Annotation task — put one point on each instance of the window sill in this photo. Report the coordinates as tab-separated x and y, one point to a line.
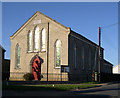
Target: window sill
17	68
64	72
29	51
42	51
57	67
35	51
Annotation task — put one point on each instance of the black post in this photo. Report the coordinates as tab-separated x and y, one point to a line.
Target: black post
47	51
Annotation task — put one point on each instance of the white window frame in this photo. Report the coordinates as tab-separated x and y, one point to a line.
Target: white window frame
17	56
43	40
29	41
36	39
56	54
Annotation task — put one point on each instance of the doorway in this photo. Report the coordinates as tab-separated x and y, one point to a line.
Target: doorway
36	68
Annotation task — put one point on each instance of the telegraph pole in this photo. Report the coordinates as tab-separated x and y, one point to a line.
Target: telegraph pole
99	67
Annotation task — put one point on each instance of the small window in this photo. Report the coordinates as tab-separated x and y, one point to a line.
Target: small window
36	39
57	53
17	56
43	40
29	40
64	68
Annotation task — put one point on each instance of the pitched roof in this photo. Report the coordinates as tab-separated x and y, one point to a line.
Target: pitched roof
87	40
105	61
31	18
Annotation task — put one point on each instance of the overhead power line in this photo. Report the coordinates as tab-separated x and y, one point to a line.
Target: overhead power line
107	26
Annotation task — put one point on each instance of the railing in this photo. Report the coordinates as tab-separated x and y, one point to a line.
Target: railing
63	76
51	76
72	78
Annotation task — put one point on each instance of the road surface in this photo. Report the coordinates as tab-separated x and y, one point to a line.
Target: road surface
106	90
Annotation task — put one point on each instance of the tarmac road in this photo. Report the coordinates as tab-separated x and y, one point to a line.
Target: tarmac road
110	89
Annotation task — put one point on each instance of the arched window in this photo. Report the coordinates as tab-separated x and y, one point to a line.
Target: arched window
89	59
43	37
17	56
29	40
95	62
57	53
74	56
36	39
82	57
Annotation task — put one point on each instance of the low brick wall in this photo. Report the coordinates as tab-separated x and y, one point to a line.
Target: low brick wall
106	77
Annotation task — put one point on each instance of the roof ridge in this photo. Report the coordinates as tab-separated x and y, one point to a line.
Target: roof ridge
78	34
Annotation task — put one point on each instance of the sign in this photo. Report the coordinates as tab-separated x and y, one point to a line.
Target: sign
37	21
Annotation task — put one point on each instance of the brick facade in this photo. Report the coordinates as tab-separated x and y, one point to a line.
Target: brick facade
54	31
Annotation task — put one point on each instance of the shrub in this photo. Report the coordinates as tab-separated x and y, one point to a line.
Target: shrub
28	76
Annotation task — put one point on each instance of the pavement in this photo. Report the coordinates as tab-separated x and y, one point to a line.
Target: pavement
106	90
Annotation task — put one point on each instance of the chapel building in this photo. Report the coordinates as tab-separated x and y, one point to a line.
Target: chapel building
52	52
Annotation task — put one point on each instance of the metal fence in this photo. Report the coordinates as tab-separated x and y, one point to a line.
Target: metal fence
51	76
63	76
72	78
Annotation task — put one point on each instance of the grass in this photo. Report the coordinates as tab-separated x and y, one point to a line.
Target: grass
91	83
48	87
73	86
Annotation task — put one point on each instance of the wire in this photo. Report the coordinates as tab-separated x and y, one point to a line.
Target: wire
107	26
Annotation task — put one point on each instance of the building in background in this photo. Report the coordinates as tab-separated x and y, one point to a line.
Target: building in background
5	64
51	51
107	67
115	69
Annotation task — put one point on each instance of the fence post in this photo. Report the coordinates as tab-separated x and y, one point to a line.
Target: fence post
61	76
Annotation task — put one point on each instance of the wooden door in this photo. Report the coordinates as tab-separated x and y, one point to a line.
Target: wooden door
36	68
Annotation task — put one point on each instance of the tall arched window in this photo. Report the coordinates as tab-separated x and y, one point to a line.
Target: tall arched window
89	59
57	53
43	37
36	39
95	62
82	57
74	56
17	56
29	40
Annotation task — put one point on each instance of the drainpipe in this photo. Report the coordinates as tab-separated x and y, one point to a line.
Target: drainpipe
47	51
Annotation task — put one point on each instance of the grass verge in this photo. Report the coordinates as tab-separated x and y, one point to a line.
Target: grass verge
48	87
